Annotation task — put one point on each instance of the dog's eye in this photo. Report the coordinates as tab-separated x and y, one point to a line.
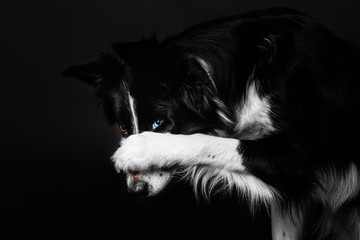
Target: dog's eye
157	123
123	128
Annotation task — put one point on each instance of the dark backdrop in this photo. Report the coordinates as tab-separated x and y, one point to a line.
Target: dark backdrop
56	179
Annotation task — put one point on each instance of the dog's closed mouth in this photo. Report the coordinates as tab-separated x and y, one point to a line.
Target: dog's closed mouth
147	183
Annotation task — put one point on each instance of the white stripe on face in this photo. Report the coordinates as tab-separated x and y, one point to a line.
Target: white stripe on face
134	119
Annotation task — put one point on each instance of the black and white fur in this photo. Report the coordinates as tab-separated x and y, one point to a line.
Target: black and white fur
264	103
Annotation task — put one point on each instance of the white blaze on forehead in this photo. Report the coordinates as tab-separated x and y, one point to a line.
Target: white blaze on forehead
134	119
253	115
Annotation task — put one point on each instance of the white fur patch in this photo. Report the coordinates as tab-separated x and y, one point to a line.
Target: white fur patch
206	180
134	119
253	120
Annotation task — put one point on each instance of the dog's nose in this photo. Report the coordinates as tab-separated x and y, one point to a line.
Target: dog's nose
139	188
134	175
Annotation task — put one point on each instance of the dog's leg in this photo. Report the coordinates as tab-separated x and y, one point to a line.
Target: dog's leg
157	150
217	158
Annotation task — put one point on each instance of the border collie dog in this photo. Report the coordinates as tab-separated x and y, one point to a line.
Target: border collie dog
263	103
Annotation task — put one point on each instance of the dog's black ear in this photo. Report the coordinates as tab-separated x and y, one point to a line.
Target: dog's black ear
104	67
105	75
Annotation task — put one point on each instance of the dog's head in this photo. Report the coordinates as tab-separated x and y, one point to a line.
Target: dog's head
145	86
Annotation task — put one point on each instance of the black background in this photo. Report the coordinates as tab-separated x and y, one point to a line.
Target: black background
56	179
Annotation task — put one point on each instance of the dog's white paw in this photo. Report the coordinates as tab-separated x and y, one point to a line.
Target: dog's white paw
140	152
131	156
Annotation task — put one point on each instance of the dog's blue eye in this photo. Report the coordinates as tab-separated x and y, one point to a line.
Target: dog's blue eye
157	123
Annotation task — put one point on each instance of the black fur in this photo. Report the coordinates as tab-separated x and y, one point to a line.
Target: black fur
310	76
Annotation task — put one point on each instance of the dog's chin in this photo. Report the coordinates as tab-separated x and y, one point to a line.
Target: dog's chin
147	184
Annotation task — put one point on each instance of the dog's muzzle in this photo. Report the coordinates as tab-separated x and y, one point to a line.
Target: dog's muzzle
147	183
